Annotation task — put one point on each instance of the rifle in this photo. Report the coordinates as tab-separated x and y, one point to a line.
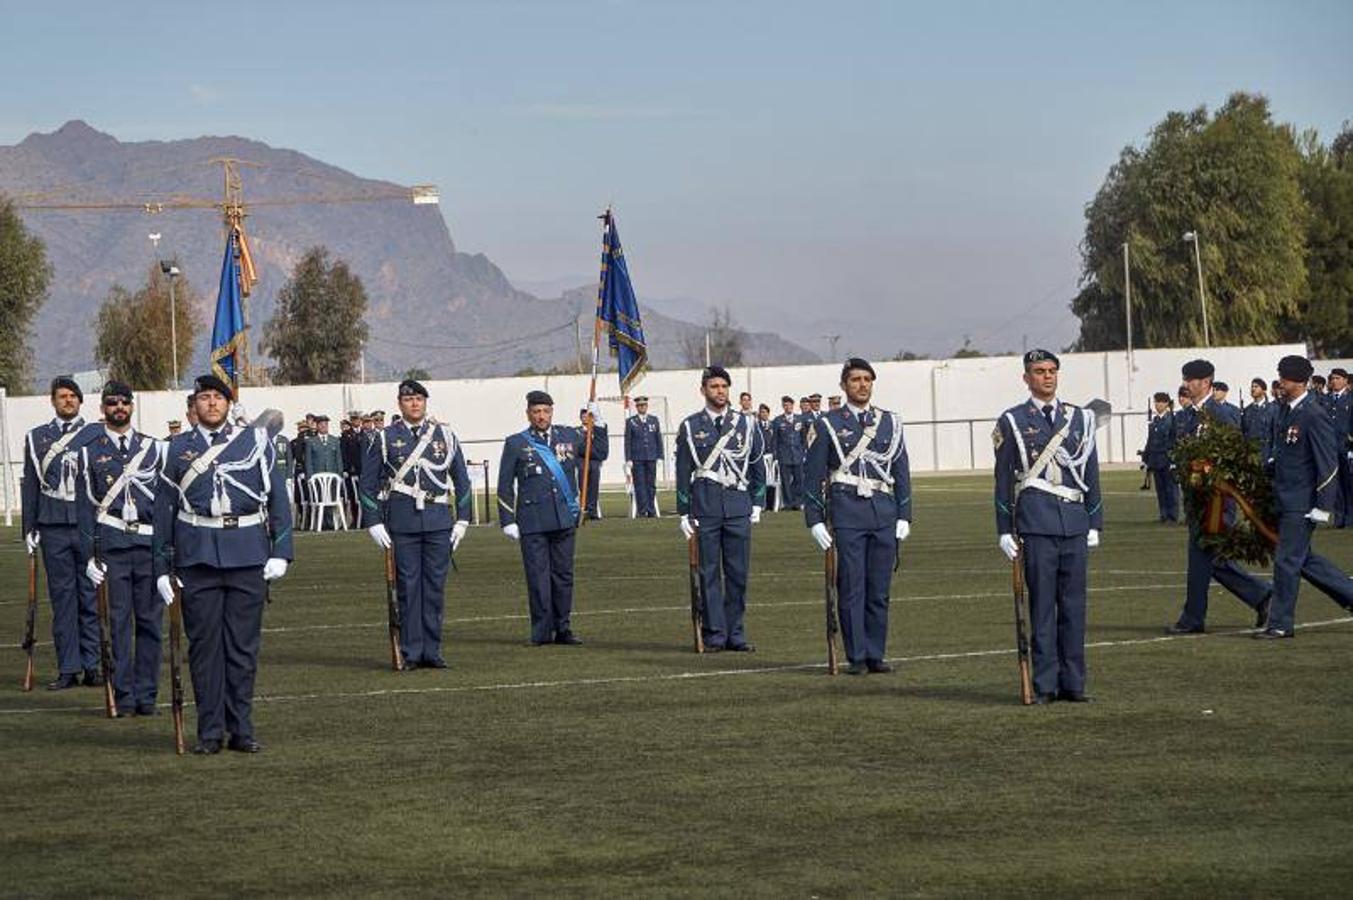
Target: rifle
697	593
105	637
1026	688
392	610
176	663
31	624
831	599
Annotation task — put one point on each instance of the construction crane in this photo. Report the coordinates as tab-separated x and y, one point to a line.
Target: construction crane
232	206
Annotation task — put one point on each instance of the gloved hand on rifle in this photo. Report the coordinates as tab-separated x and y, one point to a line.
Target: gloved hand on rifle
274	569
1092	537
31	541
1319	516
688	526
165	588
458	532
821	535
1009	546
95	572
381	535
903	530
756	515
512	531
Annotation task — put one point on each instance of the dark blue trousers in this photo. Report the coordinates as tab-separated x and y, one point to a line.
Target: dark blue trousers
645	474
1167	495
422	559
725	556
864	574
137	612
75	617
791	486
1055	573
223	618
1294	561
548	559
594	490
1203	567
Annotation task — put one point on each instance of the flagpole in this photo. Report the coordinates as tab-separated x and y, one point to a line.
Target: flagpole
592	389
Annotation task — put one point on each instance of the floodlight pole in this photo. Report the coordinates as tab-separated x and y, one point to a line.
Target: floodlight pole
1191	237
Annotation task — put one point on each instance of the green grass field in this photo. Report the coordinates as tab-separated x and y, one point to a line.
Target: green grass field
1208	765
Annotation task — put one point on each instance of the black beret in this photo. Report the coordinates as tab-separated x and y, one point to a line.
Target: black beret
117	389
1295	368
1342	373
212	383
1038	356
714	372
408	388
190	399
65	381
805	399
1183	391
1220	386
539	398
786	399
1317	379
1198	368
1259	381
641	399
1161	397
856	363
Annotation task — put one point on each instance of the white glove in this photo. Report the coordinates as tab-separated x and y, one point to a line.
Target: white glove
1319	516
1092	537
629	470
1009	546
903	530
457	532
274	569
95	572
756	515
595	409
512	531
165	588
381	535
1350	454
31	541
687	527
239	415
821	535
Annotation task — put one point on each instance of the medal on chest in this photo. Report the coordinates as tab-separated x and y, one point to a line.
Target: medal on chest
1293	434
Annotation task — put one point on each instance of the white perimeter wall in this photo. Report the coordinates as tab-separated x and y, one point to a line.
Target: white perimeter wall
949	406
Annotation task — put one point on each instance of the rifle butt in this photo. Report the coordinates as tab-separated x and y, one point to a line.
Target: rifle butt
829	595
392	610
106	651
697	594
176	670
30	637
1026	689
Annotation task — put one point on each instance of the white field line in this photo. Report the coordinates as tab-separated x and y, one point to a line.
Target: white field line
679	676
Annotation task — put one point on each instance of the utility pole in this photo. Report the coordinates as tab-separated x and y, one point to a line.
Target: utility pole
1191	237
832	339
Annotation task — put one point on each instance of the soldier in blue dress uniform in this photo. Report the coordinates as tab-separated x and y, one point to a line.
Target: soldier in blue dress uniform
416	498
50	468
1256	419
721	490
1205	412
1306	461
223	529
538	507
601	448
643	449
120	473
1049	511
1339	403
789	454
1156	457
857	490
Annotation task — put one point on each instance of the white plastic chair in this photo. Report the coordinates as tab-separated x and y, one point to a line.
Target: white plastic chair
326	492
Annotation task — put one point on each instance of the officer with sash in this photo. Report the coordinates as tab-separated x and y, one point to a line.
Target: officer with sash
120	473
50	468
1156	457
643	449
223	529
857	488
538	507
1205	412
789	452
1049	510
601	448
721	490
416	498
1307	456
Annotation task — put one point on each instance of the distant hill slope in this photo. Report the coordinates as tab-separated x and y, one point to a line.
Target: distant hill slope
452	313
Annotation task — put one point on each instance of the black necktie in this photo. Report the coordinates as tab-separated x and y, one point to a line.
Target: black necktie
1047	412
217	437
66	427
718	423
122	442
866	418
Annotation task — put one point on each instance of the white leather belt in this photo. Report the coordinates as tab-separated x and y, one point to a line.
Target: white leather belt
221	521
120	525
719	476
420	497
1062	492
857	481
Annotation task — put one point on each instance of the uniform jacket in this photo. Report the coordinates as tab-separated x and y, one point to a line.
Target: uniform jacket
101	466
49	497
1188	420
351	447
298	455
741	463
789	429
440	473
1340	408
1256	423
323	454
837	432
286	465
1076	466
767	436
1305	459
241	481
1159	441
528	493
643	438
601	443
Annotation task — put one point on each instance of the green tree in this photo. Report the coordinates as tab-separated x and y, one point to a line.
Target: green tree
1327	183
316	334
967	351
24	277
1233	179
417	373
726	342
133	336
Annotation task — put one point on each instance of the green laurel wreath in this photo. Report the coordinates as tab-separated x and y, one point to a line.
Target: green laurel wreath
1219	460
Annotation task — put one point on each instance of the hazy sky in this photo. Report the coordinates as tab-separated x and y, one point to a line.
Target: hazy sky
902	174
